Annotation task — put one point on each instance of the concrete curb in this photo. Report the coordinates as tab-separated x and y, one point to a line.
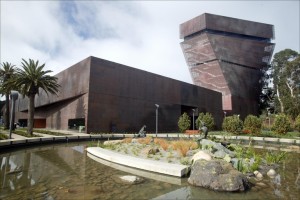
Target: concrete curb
18	141
143	173
140	163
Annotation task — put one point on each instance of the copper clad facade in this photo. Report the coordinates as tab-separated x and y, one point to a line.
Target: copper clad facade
111	97
225	55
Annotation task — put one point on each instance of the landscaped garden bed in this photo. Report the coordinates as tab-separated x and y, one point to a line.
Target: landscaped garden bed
240	163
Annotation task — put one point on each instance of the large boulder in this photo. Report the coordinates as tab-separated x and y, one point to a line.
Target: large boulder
217	175
201	155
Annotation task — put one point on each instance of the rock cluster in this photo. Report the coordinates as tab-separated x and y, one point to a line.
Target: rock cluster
217	175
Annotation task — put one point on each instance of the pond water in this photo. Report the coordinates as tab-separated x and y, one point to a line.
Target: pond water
64	171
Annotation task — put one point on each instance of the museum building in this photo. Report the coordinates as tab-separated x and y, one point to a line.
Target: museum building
105	96
224	56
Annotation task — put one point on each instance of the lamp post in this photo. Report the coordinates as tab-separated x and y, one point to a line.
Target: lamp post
269	115
157	106
13	97
193	119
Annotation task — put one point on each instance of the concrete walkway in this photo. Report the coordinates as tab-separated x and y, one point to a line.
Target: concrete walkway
75	135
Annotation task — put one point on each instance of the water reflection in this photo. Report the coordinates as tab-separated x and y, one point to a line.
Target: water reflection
66	172
15	171
37	167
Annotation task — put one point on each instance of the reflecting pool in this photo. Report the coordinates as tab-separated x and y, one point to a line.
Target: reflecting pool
64	171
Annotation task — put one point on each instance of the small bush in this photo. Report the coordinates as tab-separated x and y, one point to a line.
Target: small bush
3	136
281	124
275	157
252	124
233	124
184	122
297	123
207	119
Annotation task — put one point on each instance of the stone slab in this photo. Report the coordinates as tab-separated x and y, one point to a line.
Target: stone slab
30	140
47	138
219	136
242	137
60	138
140	163
18	141
285	140
258	138
271	139
84	137
72	137
4	142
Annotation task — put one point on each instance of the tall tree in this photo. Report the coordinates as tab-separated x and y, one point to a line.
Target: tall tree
286	80
266	98
30	80
7	72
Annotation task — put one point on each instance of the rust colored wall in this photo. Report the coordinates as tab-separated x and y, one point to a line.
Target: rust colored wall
70	103
124	97
225	55
225	24
114	97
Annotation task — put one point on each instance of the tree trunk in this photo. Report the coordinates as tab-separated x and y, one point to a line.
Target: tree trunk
30	114
6	113
291	89
280	101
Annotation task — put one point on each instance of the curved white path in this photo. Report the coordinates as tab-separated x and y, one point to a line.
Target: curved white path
139	163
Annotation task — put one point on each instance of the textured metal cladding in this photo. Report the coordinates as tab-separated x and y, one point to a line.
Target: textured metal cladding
124	97
234	25
226	24
197	50
192	26
250	53
225	54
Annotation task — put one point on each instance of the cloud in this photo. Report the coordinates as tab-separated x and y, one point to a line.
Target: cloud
141	34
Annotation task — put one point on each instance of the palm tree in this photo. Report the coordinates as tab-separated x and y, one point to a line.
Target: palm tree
7	71
30	80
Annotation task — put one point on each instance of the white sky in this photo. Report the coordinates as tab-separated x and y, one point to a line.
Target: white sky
140	34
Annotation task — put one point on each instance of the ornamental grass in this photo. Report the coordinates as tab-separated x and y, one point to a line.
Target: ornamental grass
183	146
127	140
145	140
162	142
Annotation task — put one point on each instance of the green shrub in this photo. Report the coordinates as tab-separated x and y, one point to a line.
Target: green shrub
233	124
275	157
184	122
207	119
297	123
3	136
281	124
253	124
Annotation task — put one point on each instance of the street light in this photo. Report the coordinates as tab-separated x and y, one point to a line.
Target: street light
13	97
269	116
193	119
157	106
